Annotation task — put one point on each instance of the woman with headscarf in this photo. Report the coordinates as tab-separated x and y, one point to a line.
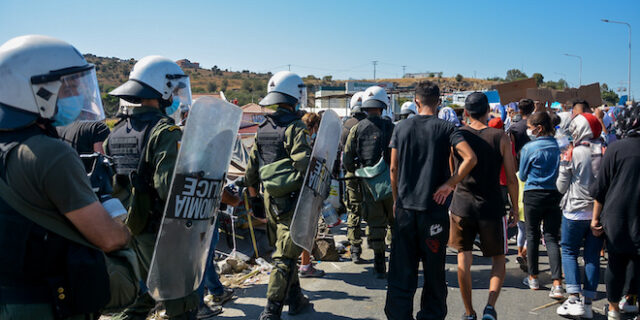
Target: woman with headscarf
578	168
616	210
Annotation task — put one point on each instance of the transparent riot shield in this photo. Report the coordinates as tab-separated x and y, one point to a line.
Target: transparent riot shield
316	181
183	241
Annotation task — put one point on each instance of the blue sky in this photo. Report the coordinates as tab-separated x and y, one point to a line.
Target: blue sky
341	38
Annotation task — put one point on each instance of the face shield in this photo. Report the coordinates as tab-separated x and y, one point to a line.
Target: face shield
303	96
181	96
78	98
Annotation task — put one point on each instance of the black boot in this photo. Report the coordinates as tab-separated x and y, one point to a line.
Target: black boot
379	265
271	311
356	251
296	300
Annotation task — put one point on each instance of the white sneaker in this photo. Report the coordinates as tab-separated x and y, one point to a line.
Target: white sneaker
557	292
532	283
613	315
571	307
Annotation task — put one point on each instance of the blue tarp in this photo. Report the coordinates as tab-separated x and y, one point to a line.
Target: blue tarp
493	96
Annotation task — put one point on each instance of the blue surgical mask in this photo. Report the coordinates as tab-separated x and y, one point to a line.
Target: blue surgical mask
173	107
313	136
69	109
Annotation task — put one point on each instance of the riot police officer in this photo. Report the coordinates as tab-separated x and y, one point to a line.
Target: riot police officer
354	194
367	143
407	110
144	148
282	139
51	221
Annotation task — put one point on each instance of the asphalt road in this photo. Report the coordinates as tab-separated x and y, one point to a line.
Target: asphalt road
349	291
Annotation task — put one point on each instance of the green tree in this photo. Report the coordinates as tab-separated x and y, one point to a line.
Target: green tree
515	74
212	86
225	84
259	85
539	78
609	96
459	77
327	78
557	85
247	85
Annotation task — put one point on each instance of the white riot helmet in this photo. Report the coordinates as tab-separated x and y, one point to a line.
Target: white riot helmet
48	78
409	109
284	87
375	97
156	77
356	102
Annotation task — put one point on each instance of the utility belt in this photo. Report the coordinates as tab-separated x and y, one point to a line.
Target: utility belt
283	204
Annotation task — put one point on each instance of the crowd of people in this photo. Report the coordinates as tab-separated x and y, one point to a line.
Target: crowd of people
430	180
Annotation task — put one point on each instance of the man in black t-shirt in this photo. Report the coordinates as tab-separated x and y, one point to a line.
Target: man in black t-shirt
518	130
86	137
421	184
477	206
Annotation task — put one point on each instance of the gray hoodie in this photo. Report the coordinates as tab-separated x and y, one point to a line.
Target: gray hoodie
576	174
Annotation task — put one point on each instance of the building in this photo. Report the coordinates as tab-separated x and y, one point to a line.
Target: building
423	75
355	86
254	113
331	103
338	98
185	63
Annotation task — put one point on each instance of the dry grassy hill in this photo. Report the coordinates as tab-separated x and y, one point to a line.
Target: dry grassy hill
245	86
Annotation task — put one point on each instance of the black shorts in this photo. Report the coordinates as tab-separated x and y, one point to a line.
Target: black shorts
493	234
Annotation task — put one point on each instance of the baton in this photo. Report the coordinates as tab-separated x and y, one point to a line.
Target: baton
253	236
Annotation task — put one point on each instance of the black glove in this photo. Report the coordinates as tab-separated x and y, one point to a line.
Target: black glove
257	205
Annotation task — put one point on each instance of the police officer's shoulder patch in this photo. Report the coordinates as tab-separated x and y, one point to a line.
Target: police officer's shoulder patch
173	127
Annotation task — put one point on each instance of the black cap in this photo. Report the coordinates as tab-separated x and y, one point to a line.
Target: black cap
476	103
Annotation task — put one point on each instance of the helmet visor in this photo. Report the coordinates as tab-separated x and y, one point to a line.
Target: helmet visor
182	92
81	88
181	95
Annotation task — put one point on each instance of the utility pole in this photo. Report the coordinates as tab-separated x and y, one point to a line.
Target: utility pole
403	70
374	70
629	80
289	67
580	58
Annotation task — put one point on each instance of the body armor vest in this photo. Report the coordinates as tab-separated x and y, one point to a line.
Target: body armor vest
128	139
270	137
374	135
30	253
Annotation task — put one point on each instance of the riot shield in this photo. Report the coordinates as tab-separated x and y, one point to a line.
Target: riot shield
183	241
317	181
